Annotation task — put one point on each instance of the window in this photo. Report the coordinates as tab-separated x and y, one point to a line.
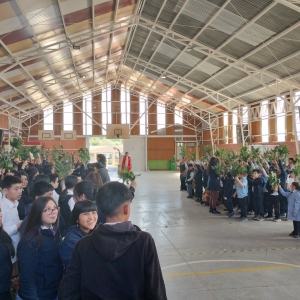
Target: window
48	119
161	117
178	117
68	116
234	126
225	119
125	106
143	109
87	115
280	116
264	113
106	107
297	112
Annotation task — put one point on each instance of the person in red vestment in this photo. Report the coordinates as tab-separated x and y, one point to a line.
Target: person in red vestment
126	162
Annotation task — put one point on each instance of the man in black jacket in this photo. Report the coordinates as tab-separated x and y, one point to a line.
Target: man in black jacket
117	260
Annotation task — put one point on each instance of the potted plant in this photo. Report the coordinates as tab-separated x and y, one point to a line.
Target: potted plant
173	163
6	160
84	155
193	156
183	151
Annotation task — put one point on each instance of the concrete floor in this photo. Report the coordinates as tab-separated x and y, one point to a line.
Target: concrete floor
205	256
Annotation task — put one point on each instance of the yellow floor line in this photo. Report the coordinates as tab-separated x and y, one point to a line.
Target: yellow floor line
229	271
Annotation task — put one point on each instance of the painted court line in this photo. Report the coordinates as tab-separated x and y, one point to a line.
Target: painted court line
240	251
241	270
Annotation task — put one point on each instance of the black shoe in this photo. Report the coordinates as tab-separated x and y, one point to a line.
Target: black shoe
189	197
202	202
292	233
296	236
230	215
214	211
210	210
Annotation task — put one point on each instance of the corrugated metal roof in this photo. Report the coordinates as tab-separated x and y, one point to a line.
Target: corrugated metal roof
42	33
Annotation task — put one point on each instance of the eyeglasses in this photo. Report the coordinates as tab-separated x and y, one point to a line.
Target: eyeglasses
49	210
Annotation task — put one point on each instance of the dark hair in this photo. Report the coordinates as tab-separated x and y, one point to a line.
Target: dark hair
97	166
296	185
22	173
31	172
40	188
212	162
70	181
95	178
47	169
35	220
41	177
82	207
256	171
87	188
190	165
101	158
88	171
53	177
292	159
111	195
6	240
229	175
9	180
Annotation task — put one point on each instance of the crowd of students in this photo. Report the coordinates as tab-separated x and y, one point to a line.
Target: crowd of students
44	219
249	193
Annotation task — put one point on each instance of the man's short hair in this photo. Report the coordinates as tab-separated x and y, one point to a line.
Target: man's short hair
53	177
111	195
40	188
47	169
190	165
9	180
256	171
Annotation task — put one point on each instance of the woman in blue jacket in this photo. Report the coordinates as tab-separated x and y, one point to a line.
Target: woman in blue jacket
40	265
7	252
85	216
293	212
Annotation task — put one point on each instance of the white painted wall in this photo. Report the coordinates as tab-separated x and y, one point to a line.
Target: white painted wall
135	146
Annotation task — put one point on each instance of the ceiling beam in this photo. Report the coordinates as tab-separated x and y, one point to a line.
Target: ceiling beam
168	29
225	58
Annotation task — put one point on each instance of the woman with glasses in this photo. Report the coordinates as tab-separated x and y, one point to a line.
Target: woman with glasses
85	216
40	265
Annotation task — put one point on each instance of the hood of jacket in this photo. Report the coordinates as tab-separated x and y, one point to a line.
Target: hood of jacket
76	232
112	241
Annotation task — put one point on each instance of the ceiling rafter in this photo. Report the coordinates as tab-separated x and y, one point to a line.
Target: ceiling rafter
68	38
131	32
225	58
112	37
191	43
148	36
169	28
230	39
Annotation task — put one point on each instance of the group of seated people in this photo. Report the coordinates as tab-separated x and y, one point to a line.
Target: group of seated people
44	219
249	193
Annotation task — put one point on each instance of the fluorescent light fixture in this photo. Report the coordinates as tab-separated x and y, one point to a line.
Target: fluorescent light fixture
163	76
